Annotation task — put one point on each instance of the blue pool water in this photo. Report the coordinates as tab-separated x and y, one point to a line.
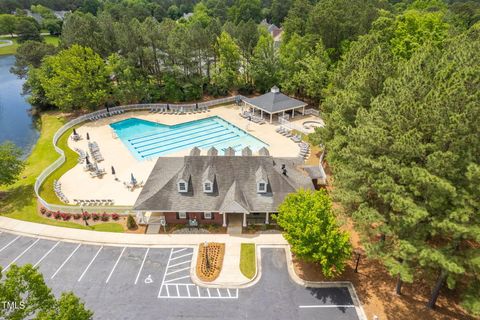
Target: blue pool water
146	139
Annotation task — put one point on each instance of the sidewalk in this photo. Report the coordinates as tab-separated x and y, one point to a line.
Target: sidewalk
128	239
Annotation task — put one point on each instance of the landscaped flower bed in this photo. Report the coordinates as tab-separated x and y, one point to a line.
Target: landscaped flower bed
209	271
85	216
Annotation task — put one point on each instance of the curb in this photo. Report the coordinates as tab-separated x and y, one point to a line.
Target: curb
246	284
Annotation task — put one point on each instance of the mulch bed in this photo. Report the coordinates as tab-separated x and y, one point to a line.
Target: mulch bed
216	252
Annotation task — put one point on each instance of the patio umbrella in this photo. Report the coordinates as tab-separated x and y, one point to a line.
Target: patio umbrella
132	178
87	162
113	170
108	110
74	132
88	136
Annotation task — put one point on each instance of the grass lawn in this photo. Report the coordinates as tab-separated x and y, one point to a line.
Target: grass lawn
248	263
13	48
18	201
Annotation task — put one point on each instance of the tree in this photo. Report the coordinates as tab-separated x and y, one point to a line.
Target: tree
265	64
10	164
7	24
30	54
74	78
279	10
26	287
311	229
228	62
131	223
296	19
406	167
244	10
27	29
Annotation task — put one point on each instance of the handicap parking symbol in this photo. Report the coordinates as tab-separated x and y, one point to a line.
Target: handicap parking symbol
148	279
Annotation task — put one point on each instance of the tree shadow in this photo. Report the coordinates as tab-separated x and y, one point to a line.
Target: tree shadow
16	199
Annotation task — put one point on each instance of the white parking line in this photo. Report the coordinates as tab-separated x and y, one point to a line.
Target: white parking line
21	254
8	244
183	269
86	269
177	264
179	278
66	260
164	275
208	291
141	267
180	250
188	291
113	269
218	291
182	256
46	254
328	306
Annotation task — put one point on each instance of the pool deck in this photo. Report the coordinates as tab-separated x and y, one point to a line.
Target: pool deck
77	184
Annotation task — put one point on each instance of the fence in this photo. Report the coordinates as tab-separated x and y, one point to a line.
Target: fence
132	107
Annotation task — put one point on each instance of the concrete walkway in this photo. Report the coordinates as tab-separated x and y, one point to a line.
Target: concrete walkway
5	43
129	239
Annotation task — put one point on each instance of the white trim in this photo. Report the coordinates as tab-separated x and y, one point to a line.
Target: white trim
182	186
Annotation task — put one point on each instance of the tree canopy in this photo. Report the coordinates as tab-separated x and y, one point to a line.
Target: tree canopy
10	163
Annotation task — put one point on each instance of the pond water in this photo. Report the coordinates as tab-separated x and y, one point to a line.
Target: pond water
16	123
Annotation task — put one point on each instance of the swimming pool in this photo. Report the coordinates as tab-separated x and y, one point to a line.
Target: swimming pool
146	139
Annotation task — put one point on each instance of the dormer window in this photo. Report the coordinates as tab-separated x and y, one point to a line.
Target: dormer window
208	187
262	187
182	186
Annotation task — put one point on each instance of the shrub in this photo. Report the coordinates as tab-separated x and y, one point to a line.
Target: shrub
43	210
86	215
95	216
131	223
57	215
66	216
49	214
115	216
77	216
105	216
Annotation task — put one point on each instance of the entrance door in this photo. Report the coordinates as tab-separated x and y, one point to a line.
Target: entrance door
235	221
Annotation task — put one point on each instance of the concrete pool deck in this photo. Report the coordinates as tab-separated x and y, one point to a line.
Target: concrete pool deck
77	184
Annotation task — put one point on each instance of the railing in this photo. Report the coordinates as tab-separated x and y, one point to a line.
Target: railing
313	112
57	163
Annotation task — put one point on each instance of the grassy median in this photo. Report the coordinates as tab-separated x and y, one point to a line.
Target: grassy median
248	265
18	201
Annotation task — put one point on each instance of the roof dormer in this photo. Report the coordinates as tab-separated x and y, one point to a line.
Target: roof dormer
182	186
261	180
183	180
208	179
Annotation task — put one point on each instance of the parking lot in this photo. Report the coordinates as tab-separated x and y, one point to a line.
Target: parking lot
154	283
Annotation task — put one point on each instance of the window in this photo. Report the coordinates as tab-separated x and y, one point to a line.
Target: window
207	187
182	186
207	215
182	215
262	187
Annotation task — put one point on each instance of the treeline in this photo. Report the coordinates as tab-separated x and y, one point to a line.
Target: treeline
403	140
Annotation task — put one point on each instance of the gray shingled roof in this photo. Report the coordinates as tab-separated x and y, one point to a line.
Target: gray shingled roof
235	185
273	102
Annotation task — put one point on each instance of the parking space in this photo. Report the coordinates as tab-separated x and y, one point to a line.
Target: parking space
146	283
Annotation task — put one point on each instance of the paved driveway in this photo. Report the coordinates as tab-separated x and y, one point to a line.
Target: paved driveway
154	283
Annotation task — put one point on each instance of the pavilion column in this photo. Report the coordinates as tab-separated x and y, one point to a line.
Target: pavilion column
261	113
303	111
283	114
224	219
244	219
267	218
271	117
293	113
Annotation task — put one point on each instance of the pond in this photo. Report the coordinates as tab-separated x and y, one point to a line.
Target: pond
16	123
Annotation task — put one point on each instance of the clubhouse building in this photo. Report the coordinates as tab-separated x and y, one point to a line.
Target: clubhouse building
218	189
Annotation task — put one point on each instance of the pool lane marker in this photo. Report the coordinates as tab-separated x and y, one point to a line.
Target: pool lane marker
141	267
113	269
91	261
21	254
46	254
66	260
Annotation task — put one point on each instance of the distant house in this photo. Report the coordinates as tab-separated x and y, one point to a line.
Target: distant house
59	14
274	31
214	189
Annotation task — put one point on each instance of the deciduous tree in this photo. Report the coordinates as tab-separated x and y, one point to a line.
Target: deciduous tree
10	163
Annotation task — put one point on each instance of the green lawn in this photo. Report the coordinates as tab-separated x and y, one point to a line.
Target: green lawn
46	190
248	263
13	48
18	201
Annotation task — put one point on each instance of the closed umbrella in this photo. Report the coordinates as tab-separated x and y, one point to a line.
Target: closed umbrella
74	132
87	162
132	178
88	136
113	170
